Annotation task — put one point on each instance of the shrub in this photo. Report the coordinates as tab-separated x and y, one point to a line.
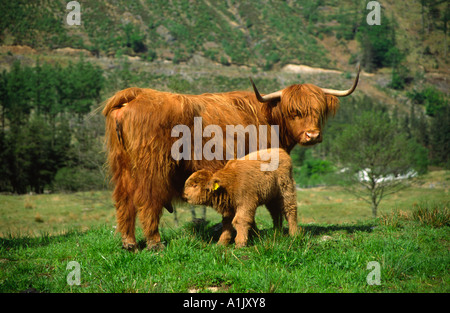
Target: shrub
432	214
134	39
313	171
399	77
271	59
393	219
434	100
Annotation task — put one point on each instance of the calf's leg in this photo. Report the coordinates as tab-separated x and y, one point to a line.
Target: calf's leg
289	198
227	229
242	222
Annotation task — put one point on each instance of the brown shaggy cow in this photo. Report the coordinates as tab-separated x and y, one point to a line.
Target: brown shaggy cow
139	124
236	190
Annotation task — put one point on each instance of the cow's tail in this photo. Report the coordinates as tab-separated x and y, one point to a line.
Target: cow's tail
120	99
113	113
118	159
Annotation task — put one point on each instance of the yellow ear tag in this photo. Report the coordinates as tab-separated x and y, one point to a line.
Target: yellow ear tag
216	186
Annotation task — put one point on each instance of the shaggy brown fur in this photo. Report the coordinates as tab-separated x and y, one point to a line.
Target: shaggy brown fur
138	135
240	187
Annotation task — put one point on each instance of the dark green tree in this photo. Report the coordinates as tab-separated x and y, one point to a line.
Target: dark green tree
38	104
379	49
134	39
440	138
79	87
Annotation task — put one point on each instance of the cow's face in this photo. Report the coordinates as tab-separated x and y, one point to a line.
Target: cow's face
195	187
305	108
306	131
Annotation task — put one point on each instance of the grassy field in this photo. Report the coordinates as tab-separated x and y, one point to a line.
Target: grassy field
41	234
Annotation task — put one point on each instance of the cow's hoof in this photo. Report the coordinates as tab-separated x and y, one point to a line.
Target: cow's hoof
129	247
240	245
155	246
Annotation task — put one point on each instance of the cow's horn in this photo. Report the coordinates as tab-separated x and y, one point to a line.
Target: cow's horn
343	93
266	98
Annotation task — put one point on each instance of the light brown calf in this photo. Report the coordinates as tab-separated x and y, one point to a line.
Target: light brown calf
241	186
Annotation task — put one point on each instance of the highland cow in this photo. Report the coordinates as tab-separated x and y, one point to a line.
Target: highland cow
139	125
240	187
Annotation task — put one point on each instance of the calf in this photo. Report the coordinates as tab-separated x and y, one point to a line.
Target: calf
241	186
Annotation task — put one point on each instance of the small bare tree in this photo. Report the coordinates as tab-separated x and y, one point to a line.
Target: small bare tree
377	157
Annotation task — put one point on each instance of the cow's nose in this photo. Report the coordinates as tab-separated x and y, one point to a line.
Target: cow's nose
312	135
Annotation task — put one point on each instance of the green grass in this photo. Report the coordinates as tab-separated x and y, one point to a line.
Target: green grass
413	257
409	240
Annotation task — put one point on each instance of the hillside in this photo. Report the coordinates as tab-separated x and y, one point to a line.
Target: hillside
252	33
264	35
257	35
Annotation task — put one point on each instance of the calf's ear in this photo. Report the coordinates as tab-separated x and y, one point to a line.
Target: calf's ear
213	184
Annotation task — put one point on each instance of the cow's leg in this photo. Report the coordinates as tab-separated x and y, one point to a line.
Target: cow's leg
126	215
242	222
149	216
227	229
